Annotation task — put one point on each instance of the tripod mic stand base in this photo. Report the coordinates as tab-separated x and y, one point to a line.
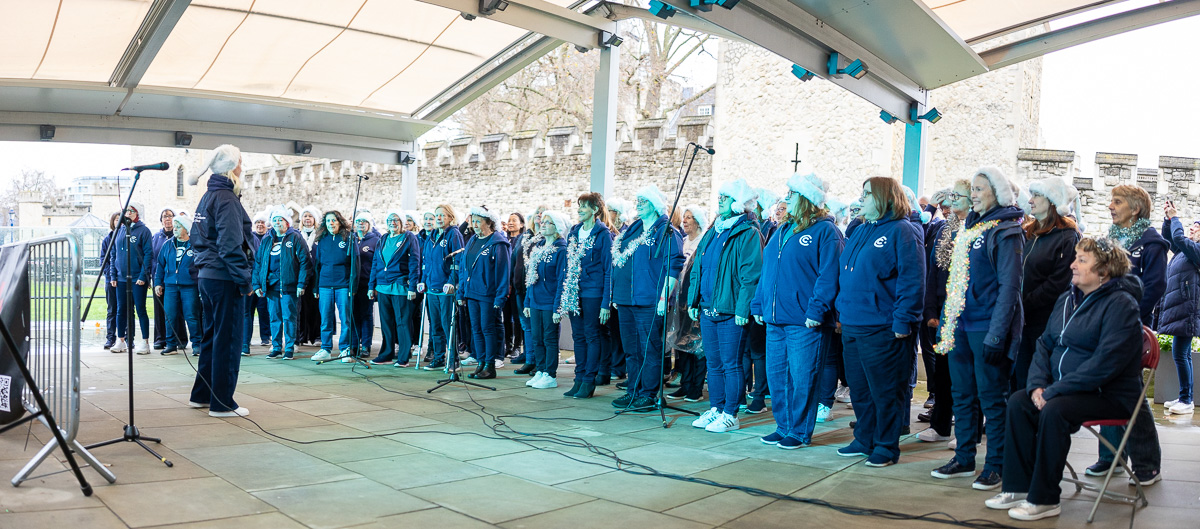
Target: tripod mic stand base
455	378
357	360
133	435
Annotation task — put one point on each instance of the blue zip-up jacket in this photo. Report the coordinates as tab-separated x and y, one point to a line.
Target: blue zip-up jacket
486	276
174	264
1093	344
595	274
436	268
104	245
293	261
737	274
1180	312
141	250
331	261
221	235
366	254
404	266
545	292
993	299
156	244
882	276
800	275
1148	255
640	282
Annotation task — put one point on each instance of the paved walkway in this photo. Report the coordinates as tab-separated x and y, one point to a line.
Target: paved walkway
441	465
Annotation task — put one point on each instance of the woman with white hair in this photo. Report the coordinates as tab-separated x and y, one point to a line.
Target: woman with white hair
982	337
647	258
331	272
175	284
684	332
483	287
546	265
280	278
724	276
132	262
794	299
395	274
221	236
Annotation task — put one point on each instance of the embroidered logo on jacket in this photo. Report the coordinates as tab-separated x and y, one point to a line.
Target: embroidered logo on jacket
806	240
342	244
881	242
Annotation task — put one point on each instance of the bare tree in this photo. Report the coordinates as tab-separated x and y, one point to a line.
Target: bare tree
662	50
28	180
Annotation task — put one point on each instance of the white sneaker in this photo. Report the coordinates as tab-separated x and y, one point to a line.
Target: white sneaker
1181	409
321	356
547	382
347	359
822	412
726	423
197	405
953	444
1029	512
1006	500
929	435
842	395
499	363
142	348
470	361
537	377
240	412
1166	405
707	418
569	360
120	346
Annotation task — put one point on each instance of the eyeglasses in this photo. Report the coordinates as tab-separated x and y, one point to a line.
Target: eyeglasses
957	196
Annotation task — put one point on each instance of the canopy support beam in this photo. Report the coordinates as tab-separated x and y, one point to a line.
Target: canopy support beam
604	122
156	27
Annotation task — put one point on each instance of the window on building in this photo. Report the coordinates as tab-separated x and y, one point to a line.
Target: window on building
179	181
704	110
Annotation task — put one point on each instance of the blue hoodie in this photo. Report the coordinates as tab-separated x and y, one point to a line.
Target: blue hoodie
799	279
640	282
404	266
174	268
331	261
595	272
485	274
882	276
156	245
366	245
544	294
993	298
436	267
141	248
221	235
292	261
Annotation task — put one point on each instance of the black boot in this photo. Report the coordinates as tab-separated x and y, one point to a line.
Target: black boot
574	389
586	390
488	372
478	371
603	380
526	369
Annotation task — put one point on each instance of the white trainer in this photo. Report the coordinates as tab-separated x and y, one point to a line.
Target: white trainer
469	361
240	412
1028	512
547	382
929	435
537	377
1166	405
142	348
823	412
953	444
498	363
120	346
1182	409
707	418
1006	500
842	395
725	423
321	356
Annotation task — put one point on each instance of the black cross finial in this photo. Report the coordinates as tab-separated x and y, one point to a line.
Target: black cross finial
796	162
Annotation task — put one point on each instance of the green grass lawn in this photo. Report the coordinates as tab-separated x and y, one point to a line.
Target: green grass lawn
47	304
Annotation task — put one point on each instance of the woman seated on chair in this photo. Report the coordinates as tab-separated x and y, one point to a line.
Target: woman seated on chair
1087	367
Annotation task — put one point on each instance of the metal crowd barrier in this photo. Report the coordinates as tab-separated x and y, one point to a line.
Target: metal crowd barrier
55	280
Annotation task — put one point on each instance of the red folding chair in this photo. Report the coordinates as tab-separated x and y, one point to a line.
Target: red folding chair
1150	354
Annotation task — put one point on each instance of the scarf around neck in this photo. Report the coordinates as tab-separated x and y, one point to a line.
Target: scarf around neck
960	277
723	224
1130	235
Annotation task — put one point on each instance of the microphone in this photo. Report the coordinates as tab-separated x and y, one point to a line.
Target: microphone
364	177
455	252
703	148
161	166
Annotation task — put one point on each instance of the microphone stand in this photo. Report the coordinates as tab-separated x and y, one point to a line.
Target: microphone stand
452	363
131	434
352	252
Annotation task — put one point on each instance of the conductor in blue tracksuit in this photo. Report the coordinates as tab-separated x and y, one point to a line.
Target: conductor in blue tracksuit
880	300
175	282
483	287
395	274
132	262
438	280
647	259
281	278
221	235
795	299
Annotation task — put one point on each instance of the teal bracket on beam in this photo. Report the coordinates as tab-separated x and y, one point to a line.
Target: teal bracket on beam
604	121
914	157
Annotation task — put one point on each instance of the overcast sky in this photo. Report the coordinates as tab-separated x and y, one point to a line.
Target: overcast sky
1132	93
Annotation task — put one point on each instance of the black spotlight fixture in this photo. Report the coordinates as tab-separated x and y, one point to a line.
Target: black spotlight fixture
404	158
609	40
303	147
183	139
467	16
489	7
47	132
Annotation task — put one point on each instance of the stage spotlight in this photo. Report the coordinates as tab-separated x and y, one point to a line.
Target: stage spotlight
47	132
489	7
801	73
183	139
608	40
932	116
303	147
887	118
700	5
661	10
467	16
856	69
404	158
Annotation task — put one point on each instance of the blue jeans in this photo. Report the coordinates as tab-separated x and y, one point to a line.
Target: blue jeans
255	303
284	309
182	303
139	304
487	330
395	314
543	348
641	334
722	339
224	308
794	362
441	307
585	329
1183	365
978	386
877	367
329	299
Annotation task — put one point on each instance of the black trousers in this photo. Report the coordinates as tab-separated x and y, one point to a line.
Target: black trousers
415	319
941	417
612	356
691	369
222	309
1037	441
160	322
465	334
754	359
308	329
395	313
110	320
928	336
